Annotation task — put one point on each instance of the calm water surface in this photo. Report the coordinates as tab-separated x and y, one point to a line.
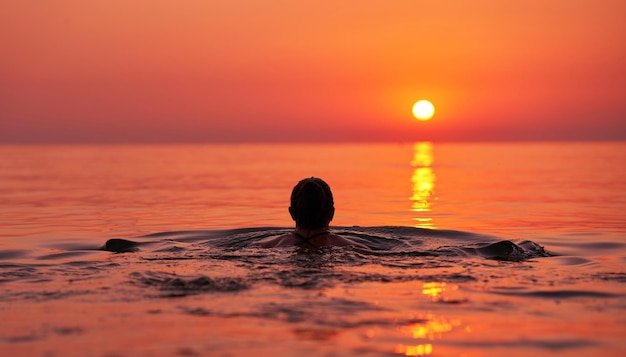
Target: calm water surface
475	249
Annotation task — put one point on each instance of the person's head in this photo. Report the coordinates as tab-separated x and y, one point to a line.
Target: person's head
312	205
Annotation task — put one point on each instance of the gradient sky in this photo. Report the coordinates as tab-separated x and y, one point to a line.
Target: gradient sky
81	71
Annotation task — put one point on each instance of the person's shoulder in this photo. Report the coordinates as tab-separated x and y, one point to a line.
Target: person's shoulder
280	241
339	241
289	239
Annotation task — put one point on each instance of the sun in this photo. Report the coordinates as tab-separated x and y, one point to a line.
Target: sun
423	110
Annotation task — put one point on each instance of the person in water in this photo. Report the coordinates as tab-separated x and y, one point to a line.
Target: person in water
312	208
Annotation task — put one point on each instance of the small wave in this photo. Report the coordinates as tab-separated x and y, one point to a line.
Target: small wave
508	251
602	245
63	255
12	254
559	294
176	286
338	313
617	277
16	272
553	344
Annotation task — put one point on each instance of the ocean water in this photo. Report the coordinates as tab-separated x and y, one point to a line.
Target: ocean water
473	249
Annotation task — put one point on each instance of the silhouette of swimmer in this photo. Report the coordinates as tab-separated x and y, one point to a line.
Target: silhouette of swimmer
312	208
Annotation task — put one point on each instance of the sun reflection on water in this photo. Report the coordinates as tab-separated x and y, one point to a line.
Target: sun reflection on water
433	289
432	329
428	327
417	350
423	180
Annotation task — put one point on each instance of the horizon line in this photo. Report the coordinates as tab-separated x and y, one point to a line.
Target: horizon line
303	142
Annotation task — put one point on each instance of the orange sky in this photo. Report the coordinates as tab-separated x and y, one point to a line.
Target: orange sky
269	70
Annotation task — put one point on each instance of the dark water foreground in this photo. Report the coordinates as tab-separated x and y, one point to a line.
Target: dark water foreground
414	292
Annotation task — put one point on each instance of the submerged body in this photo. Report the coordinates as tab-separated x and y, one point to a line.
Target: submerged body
310	240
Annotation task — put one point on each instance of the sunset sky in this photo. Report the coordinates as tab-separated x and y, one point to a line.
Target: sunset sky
81	71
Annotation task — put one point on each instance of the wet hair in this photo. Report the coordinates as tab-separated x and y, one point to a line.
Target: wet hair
312	205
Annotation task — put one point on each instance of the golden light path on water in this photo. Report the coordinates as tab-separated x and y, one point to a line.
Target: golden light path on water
423	184
423	181
432	328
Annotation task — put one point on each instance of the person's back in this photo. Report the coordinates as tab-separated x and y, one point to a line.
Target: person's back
314	241
312	208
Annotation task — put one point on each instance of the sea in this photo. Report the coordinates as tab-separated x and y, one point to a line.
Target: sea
471	249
